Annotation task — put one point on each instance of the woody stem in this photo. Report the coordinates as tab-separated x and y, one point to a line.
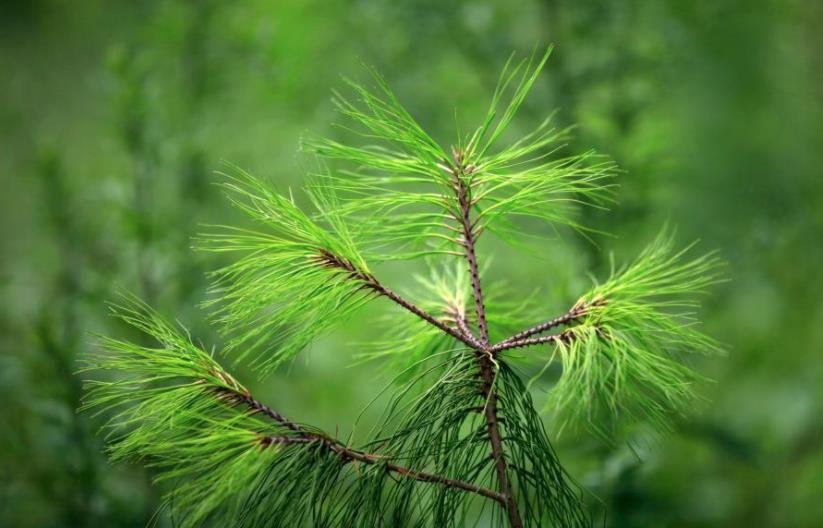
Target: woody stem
485	357
303	436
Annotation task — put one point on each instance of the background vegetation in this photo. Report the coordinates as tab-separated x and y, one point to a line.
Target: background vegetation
114	116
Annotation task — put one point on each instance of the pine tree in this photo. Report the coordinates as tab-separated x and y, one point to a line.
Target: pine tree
461	439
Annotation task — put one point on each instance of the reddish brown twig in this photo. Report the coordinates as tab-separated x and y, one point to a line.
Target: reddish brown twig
576	312
370	282
563	337
461	172
304	436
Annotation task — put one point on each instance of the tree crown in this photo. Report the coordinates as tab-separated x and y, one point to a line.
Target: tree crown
461	438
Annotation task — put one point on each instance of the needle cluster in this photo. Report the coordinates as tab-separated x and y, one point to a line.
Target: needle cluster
461	439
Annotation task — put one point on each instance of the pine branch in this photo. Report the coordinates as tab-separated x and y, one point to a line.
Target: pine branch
446	425
575	312
461	174
487	374
379	288
402	187
442	290
244	397
177	400
624	356
509	344
237	461
348	454
319	266
370	282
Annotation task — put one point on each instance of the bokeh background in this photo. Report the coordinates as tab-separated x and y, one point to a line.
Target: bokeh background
114	116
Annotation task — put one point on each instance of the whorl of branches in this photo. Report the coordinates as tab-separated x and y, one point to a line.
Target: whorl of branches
461	438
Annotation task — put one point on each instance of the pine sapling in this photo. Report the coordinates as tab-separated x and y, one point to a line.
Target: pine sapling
461	439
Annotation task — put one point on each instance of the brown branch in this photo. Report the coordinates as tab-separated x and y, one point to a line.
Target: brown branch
304	436
496	441
245	398
416	475
575	312
464	199
382	290
370	282
267	441
485	356
563	337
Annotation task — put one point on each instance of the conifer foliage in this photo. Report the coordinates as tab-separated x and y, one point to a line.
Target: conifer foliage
461	439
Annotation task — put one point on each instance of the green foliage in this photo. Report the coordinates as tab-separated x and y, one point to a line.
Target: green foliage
461	439
625	356
279	296
169	408
529	178
402	192
445	290
136	104
174	406
442	426
409	342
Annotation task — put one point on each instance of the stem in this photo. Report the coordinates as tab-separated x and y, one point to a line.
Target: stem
370	282
464	200
382	290
496	441
413	474
578	310
304	437
249	401
566	336
485	356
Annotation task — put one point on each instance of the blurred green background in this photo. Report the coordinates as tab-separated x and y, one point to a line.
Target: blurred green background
115	115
